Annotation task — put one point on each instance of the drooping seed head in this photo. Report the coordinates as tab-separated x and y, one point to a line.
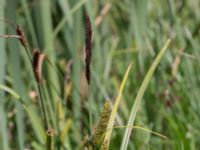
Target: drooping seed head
38	59
21	34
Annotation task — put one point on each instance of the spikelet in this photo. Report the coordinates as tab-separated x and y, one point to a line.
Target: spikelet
38	59
21	34
88	47
102	124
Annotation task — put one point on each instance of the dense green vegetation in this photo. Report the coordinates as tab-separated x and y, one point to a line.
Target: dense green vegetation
152	84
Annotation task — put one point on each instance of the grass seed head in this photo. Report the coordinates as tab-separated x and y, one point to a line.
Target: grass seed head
102	124
38	59
21	34
88	46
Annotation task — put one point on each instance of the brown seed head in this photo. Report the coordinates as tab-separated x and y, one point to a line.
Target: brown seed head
21	34
88	46
38	59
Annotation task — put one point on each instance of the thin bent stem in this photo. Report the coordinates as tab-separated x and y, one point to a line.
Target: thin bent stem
28	54
43	106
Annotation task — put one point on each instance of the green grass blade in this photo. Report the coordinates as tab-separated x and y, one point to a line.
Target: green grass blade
29	22
4	143
10	91
66	126
47	31
36	122
67	17
15	71
138	22
143	129
139	128
140	94
115	107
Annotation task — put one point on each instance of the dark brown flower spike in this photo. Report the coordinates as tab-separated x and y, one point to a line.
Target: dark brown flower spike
88	47
21	34
38	59
18	30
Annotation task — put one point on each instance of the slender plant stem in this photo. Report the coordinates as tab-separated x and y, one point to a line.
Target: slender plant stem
28	54
43	106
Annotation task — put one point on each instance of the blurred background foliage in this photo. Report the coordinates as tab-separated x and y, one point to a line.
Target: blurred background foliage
124	32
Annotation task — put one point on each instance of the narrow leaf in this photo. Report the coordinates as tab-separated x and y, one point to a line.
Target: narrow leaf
140	94
115	107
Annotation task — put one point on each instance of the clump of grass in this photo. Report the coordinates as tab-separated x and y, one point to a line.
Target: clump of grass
134	30
36	62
